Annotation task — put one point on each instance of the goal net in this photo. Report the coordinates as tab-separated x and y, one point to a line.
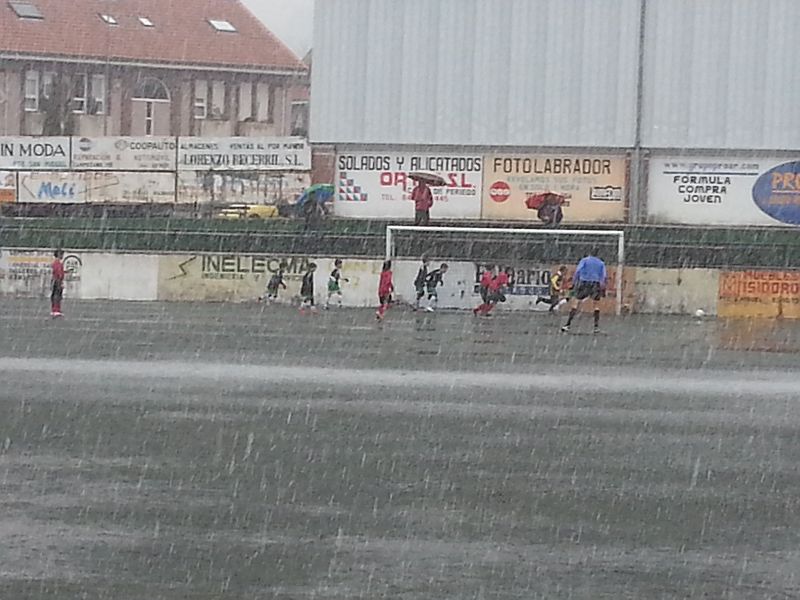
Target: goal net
530	256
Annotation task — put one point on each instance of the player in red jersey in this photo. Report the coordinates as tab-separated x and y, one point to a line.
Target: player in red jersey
385	289
497	292
57	287
483	288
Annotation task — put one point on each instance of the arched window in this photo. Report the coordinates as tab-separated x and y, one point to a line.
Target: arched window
151	89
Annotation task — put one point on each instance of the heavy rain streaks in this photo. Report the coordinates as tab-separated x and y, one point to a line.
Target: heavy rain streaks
233	451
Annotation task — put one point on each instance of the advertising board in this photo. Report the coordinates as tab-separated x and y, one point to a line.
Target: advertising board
71	187
226	277
250	187
8	186
759	294
701	190
376	184
536	187
124	153
530	282
27	273
34	152
244	153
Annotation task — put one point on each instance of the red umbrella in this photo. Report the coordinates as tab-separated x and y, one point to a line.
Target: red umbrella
429	177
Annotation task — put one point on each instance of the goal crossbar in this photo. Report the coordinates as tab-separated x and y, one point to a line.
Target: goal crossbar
619	234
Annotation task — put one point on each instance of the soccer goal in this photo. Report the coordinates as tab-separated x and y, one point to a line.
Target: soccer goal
513	247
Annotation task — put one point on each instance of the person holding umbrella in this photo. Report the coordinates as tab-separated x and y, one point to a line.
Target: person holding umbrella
422	195
311	204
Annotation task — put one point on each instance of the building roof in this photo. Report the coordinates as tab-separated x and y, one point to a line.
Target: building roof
181	33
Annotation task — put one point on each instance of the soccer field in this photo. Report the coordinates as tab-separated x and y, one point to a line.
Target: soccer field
210	451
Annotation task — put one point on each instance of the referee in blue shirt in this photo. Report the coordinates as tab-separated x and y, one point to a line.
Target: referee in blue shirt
589	281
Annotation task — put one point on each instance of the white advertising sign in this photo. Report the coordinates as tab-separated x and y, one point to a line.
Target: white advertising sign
701	190
125	153
246	187
376	184
27	273
244	153
8	186
68	187
34	152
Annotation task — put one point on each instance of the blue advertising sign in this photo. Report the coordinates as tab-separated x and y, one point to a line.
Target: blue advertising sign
777	193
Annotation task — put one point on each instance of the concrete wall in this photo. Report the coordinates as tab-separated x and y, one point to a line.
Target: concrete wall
215	277
676	291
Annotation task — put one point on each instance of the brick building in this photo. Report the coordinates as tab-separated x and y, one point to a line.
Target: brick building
146	67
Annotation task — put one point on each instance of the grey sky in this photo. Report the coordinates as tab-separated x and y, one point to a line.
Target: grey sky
290	20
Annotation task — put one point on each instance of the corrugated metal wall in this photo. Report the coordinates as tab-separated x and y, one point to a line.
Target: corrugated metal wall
475	72
720	74
717	74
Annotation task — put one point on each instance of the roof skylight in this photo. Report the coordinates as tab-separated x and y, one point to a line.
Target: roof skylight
146	22
109	19
221	25
26	10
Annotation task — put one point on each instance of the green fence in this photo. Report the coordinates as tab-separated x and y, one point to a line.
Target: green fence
660	246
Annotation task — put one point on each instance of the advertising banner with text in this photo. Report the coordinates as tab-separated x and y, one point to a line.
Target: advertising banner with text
376	184
124	153
226	277
759	294
34	153
700	190
250	187
70	187
27	273
244	153
8	186
540	187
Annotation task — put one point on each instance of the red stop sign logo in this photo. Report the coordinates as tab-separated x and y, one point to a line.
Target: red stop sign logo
500	191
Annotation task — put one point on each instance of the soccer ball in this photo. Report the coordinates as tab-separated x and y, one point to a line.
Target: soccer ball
699	313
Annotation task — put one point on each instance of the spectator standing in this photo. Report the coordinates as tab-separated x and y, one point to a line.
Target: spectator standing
423	201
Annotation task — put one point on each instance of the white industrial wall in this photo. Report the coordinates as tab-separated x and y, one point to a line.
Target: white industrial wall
475	72
717	74
720	74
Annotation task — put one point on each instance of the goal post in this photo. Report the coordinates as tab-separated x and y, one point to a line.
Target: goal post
469	235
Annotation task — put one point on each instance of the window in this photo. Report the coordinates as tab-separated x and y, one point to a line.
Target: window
200	99
148	118
245	101
31	91
300	118
217	99
263	104
26	10
221	25
79	92
97	106
146	22
271	104
49	81
109	19
151	88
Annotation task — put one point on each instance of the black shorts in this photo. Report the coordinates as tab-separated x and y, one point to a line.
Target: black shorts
57	292
387	299
588	289
420	291
495	297
484	291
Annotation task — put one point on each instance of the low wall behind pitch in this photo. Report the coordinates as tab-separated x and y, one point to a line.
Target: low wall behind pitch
242	277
